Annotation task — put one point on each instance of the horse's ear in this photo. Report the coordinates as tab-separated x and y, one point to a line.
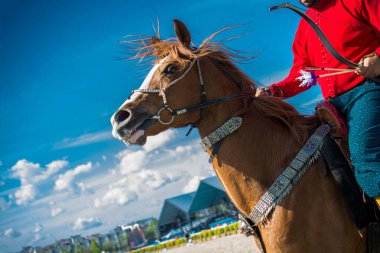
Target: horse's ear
155	40
182	33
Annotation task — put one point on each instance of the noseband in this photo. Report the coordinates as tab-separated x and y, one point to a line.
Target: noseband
203	104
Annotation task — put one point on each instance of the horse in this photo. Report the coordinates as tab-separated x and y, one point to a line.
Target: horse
202	87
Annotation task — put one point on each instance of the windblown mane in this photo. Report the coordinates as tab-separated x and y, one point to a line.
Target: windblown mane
153	49
300	126
224	58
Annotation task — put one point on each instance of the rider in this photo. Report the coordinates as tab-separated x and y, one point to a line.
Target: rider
353	28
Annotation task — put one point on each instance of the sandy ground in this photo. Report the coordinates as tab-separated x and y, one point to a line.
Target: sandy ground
230	244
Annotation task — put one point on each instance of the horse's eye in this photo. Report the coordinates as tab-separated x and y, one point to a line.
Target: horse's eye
170	69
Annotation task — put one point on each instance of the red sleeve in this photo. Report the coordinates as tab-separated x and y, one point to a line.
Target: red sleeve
371	13
290	86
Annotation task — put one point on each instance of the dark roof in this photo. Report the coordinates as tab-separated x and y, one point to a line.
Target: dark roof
174	207
209	193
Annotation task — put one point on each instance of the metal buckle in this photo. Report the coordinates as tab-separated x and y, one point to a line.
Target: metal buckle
158	115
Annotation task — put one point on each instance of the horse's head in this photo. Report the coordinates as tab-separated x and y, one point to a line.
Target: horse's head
169	92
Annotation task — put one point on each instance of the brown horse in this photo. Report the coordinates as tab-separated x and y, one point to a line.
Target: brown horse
313	217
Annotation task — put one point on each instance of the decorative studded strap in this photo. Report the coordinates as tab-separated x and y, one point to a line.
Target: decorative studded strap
221	132
290	176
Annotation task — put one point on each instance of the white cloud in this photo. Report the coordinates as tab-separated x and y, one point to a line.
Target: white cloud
152	179
25	194
115	196
154	142
183	149
11	233
65	181
192	185
52	168
4	204
37	233
37	228
86	223
31	174
55	211
131	161
136	183
83	188
84	139
25	170
55	166
37	237
146	175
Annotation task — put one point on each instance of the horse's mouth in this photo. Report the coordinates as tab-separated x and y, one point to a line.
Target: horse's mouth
134	135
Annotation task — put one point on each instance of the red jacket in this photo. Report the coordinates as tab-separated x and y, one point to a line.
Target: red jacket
353	29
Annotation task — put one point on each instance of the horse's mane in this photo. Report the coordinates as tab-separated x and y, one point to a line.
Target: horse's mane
153	48
300	126
224	58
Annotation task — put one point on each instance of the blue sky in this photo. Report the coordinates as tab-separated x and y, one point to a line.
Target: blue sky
61	78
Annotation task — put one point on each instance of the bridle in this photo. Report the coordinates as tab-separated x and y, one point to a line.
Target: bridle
203	100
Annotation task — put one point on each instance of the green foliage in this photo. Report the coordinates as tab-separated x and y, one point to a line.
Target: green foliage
151	232
124	244
107	246
94	247
79	249
221	208
204	235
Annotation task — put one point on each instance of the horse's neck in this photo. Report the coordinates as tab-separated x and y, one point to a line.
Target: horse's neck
249	160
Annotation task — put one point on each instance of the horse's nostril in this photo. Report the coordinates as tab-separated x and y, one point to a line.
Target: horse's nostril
121	115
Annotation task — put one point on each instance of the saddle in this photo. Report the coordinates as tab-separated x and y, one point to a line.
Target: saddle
329	114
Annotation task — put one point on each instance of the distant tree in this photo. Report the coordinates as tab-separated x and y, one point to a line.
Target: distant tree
151	231
222	208
114	246
79	249
107	246
94	247
124	244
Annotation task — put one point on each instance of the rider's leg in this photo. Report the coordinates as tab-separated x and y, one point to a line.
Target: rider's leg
361	106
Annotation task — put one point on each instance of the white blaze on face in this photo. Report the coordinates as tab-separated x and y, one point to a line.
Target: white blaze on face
144	85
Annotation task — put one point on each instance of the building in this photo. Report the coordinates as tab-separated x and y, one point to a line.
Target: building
195	209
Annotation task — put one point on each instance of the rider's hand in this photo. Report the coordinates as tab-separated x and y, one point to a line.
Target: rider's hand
264	91
369	66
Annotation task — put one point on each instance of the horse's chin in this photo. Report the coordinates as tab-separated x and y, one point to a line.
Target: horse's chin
134	135
137	138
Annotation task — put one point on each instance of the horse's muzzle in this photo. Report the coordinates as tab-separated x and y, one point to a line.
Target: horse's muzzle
119	120
130	129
